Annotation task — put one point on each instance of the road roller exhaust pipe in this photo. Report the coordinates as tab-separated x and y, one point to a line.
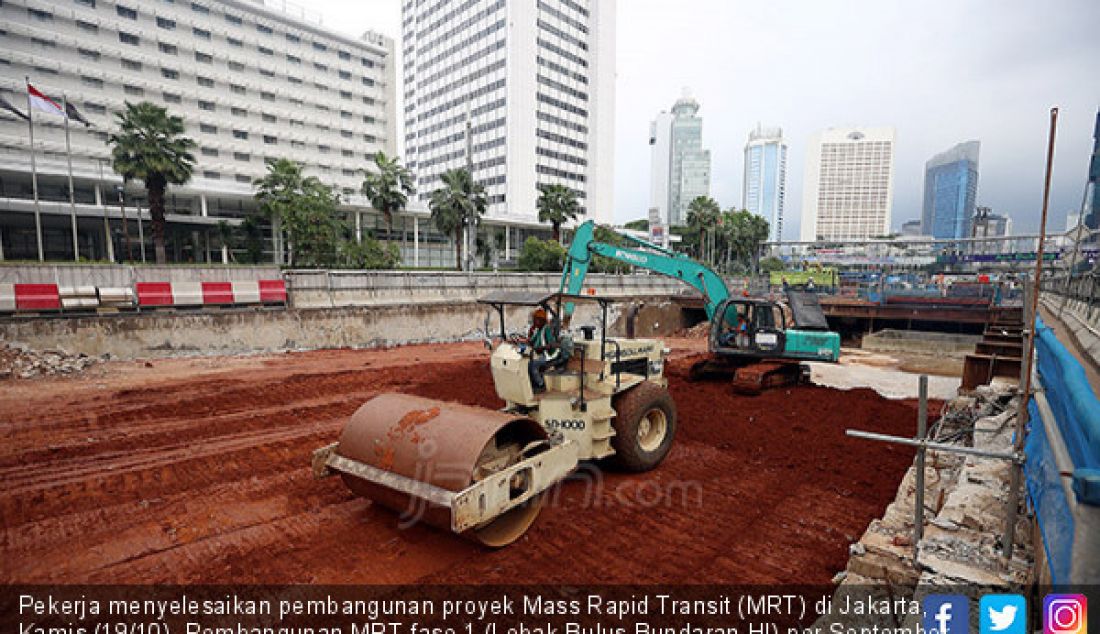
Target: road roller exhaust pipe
474	471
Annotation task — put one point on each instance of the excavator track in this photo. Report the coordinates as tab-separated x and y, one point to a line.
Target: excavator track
765	375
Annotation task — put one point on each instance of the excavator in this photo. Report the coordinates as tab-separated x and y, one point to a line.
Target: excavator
762	344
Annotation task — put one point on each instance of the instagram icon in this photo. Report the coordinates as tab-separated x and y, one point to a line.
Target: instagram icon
1065	614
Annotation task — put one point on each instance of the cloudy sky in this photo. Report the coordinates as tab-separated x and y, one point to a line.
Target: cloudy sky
939	71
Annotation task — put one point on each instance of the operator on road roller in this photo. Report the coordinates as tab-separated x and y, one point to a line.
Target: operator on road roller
545	348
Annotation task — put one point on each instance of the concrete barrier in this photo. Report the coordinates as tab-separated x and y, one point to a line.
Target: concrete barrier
921	342
149	335
117	275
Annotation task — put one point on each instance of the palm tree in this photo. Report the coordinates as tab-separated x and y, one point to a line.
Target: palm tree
388	189
703	215
454	205
149	146
557	205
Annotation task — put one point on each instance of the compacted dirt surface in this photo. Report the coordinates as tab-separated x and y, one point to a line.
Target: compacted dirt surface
198	471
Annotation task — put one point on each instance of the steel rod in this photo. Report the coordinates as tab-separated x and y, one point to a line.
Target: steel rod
922	435
931	444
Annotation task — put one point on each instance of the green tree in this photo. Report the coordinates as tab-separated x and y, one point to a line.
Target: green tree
252	238
541	255
772	264
557	204
741	233
459	202
641	224
150	146
702	218
369	253
306	209
388	188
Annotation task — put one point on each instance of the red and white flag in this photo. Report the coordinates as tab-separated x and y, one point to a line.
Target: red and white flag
42	102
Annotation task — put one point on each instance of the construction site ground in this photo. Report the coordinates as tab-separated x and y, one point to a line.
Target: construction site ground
197	470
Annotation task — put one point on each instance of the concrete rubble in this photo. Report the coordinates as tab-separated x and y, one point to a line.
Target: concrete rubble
18	361
965	505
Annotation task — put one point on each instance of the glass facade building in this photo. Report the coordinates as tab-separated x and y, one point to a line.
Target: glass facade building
680	166
950	192
766	178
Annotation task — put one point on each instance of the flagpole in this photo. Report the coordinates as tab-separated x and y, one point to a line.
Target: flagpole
34	174
72	194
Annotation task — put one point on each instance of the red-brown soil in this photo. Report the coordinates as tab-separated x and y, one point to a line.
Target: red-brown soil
198	471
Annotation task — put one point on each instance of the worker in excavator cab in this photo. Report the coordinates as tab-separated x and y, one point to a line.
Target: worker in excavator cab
545	348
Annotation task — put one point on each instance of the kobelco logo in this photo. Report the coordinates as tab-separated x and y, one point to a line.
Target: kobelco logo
630	256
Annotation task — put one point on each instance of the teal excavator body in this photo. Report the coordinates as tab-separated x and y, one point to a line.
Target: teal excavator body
765	334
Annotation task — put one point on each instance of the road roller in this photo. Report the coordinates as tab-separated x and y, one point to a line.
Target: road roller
484	473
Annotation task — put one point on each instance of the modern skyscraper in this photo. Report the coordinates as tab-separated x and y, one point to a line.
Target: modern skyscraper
250	81
849	184
1092	193
527	87
680	166
765	180
950	191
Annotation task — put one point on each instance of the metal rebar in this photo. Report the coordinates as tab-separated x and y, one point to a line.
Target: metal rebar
922	435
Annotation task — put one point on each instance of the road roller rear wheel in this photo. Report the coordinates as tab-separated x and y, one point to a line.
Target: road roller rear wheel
645	424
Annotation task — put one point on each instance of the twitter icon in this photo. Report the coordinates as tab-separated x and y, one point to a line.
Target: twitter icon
1003	614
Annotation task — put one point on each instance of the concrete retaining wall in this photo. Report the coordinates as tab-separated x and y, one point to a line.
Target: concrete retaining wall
147	335
920	342
1084	326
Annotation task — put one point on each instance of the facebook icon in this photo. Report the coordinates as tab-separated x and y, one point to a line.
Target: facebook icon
946	614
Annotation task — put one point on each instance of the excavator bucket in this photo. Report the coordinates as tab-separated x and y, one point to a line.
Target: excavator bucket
474	471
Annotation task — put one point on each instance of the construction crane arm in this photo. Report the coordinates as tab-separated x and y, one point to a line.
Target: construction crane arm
650	257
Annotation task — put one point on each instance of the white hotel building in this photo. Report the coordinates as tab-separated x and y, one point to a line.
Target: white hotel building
251	82
533	84
848	187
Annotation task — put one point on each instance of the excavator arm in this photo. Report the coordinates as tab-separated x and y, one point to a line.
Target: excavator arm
650	257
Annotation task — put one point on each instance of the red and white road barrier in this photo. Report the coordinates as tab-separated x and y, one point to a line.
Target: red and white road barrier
211	293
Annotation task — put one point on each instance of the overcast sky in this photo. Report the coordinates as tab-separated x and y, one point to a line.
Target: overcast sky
939	71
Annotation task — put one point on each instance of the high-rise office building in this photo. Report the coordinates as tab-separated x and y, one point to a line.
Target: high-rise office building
680	167
250	82
765	183
524	92
950	191
1092	193
848	185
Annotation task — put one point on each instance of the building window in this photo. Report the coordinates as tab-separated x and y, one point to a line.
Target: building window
125	12
211	175
209	151
269	118
91	81
344	55
198	8
95	108
266	72
237	66
38	14
368	63
240	134
171	97
243	178
323	149
263	28
347	134
201	33
297	123
320	67
87	3
293	59
86	54
206	128
237	89
136	91
167	49
130	64
204	58
242	156
267	96
239	112
347	153
345	94
87	26
265	50
290	37
37	41
345	74
165	23
234	42
206	105
168	73
345	114
270	140
205	82
129	38
232	19
317	46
